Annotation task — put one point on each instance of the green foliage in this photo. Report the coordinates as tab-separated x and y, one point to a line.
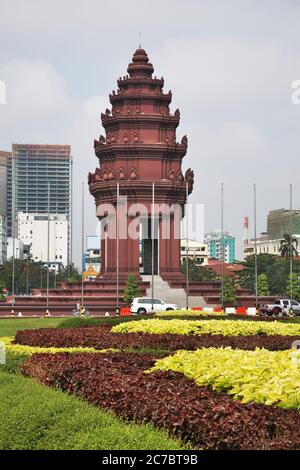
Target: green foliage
292	287
198	273
79	322
13	361
2	286
262	284
37	275
276	269
34	417
131	290
229	290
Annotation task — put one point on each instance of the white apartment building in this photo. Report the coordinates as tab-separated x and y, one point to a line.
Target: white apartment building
195	250
33	231
263	245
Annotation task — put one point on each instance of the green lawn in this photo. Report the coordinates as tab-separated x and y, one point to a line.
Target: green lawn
35	417
9	326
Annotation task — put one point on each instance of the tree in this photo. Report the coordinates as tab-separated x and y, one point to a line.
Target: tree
229	290
292	287
37	275
68	273
262	284
276	269
288	246
2	295
198	273
132	289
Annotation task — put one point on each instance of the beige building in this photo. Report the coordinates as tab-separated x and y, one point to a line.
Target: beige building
195	250
264	245
33	231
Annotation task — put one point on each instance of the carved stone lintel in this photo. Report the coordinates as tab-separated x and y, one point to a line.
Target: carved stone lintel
133	173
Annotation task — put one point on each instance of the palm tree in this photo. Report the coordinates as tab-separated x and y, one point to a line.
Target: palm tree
287	244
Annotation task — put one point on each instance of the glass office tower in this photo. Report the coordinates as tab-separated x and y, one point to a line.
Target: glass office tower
29	170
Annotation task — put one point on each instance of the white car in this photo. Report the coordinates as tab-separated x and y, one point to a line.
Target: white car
143	305
281	307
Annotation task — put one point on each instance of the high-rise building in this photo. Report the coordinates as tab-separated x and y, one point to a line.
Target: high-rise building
29	170
215	245
282	222
3	216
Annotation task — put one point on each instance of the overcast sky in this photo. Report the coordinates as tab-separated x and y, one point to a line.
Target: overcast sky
230	65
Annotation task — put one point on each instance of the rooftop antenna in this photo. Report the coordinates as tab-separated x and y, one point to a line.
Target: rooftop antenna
140	44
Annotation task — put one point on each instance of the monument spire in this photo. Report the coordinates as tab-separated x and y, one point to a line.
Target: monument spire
140	148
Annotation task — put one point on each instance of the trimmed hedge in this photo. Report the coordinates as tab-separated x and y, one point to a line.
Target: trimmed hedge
34	417
207	419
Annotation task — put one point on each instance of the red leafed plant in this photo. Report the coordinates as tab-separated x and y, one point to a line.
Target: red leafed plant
207	419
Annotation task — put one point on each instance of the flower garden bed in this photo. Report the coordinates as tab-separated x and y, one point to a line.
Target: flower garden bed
199	415
102	337
229	385
260	376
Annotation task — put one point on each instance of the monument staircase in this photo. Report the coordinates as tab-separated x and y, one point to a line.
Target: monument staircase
211	293
172	294
99	297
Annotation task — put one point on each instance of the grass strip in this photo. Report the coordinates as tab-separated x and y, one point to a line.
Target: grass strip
35	417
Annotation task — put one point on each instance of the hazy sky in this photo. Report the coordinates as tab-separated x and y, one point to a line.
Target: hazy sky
230	65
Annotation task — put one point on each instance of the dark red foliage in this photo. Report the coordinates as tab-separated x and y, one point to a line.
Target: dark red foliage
101	337
207	419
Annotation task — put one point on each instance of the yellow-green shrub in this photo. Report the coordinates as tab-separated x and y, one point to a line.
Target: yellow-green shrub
261	376
214	327
29	350
188	313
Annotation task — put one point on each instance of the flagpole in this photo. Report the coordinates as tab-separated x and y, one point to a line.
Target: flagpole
187	248
222	244
152	249
255	248
48	249
13	239
291	242
118	245
82	242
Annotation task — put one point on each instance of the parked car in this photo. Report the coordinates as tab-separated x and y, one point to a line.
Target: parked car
281	307
143	305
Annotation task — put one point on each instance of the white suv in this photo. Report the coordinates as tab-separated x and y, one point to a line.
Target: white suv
143	305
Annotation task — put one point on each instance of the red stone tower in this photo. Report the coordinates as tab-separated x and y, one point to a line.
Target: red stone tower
140	149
